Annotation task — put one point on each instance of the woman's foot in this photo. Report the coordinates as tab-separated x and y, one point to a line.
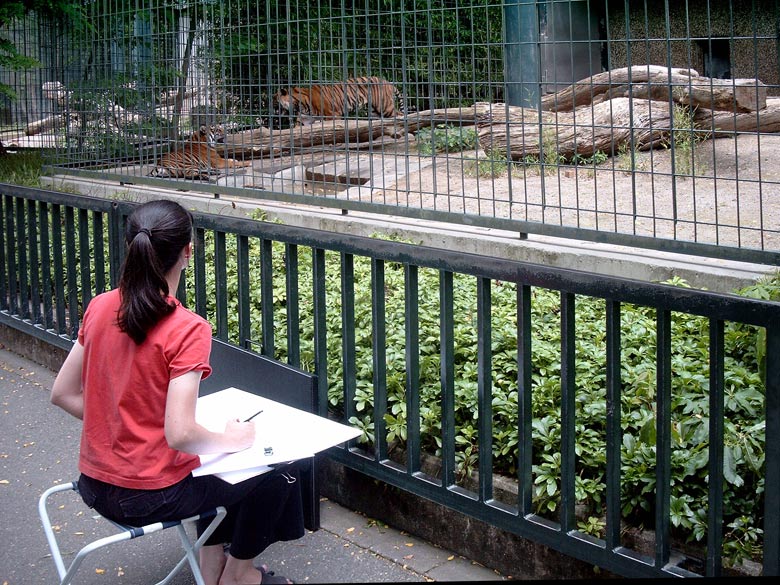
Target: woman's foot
212	563
243	572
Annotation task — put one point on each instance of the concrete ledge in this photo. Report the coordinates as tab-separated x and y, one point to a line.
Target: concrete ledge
34	349
508	553
713	274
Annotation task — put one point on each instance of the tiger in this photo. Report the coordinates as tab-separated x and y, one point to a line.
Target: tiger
197	159
336	100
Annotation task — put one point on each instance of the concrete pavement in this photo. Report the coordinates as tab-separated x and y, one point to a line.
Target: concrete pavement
39	447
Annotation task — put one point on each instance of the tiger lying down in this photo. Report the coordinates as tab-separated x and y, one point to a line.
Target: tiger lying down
336	100
197	159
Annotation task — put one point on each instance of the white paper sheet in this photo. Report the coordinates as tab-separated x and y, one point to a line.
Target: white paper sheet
283	433
240	475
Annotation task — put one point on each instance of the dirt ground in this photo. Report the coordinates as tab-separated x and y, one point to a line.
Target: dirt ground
729	195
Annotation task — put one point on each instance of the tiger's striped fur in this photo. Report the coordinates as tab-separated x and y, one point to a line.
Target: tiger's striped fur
336	100
197	159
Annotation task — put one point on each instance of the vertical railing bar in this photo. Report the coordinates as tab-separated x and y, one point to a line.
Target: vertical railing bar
116	243
267	296
663	436
379	355
771	564
412	327
320	328
84	255
10	255
715	467
181	290
348	332
220	284
99	251
46	277
35	264
524	408
568	414
59	276
199	257
244	308
22	264
674	133
4	274
614	429
292	285
485	388
70	271
447	334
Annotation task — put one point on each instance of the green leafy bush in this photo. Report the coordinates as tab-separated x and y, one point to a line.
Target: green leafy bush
744	392
446	138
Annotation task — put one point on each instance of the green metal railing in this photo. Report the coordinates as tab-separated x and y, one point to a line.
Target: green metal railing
57	251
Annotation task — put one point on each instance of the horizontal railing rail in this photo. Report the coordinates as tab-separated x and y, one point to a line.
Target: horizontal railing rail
335	305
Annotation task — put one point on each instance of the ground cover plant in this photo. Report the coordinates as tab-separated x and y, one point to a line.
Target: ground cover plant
744	420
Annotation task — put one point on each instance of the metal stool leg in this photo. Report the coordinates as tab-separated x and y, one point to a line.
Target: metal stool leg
127	533
191	548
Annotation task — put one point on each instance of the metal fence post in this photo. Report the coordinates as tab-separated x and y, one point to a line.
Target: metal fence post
522	53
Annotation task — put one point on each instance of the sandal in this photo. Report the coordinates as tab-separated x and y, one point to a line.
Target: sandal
270	578
265	570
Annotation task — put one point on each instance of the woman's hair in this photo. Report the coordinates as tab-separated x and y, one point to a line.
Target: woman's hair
155	235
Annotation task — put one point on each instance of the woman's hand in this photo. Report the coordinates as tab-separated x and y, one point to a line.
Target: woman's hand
242	434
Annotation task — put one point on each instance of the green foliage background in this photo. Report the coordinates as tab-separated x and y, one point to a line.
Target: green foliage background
442	53
11	55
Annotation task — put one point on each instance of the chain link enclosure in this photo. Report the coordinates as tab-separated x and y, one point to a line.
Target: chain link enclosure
667	140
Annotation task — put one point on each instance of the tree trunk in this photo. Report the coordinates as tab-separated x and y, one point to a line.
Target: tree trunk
655	82
353	133
723	124
48	123
178	103
606	127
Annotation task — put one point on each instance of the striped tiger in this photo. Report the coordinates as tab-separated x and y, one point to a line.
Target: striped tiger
197	159
336	100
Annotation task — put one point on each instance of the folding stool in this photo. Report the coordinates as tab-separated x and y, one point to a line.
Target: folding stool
127	533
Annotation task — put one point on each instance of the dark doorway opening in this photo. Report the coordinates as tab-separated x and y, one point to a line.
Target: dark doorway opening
717	57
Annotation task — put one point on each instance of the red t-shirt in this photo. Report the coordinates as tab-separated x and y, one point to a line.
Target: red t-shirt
125	389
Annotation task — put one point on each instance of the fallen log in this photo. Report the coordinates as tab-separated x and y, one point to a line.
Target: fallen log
655	82
606	127
48	123
518	132
609	126
727	124
351	132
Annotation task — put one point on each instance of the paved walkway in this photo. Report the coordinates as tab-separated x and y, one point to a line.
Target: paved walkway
39	447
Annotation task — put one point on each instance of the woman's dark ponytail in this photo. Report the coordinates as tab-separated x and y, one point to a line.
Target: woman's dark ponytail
155	236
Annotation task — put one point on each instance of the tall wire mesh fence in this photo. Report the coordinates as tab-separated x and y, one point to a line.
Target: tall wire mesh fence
633	122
